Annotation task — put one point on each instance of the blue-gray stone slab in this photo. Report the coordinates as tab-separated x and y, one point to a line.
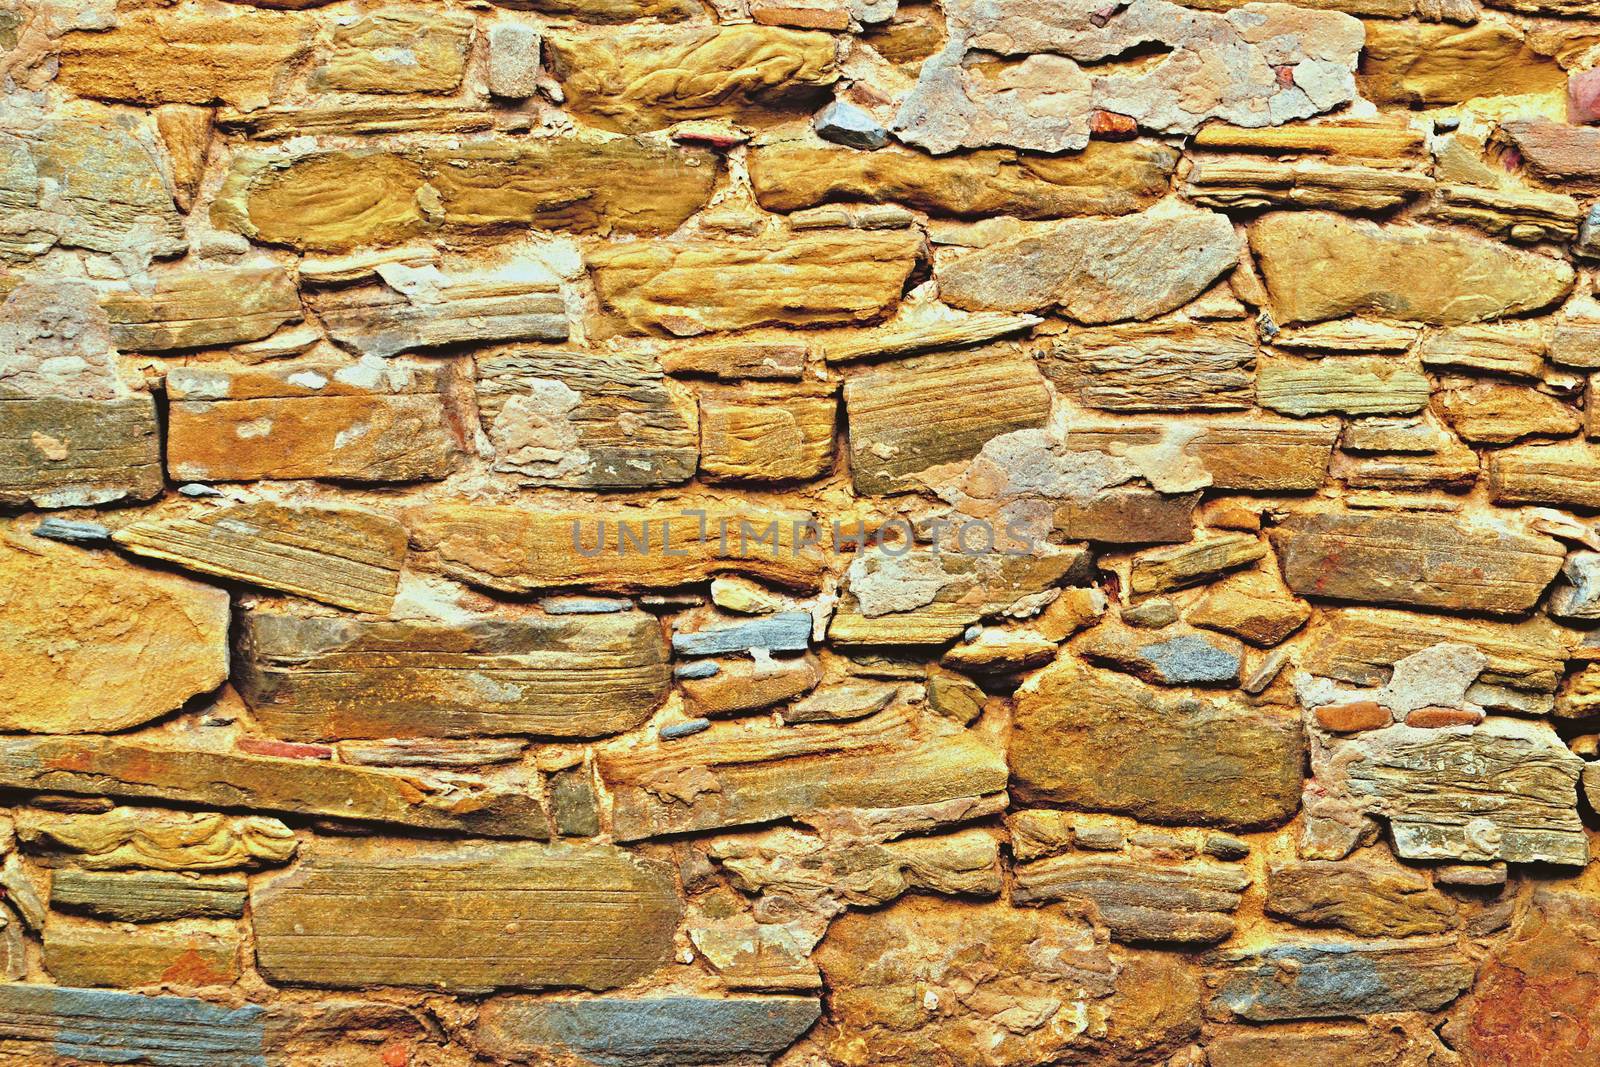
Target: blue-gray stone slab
103	1026
787	631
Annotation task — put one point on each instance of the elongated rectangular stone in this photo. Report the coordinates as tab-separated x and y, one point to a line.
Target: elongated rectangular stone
194	953
517	550
731	775
147	896
156	839
1157	366
387	424
505	305
1259	453
323	679
1562	475
60	452
1361	645
787	631
465	918
42	1024
1141	901
200	308
1332	979
1429	560
117	767
347	557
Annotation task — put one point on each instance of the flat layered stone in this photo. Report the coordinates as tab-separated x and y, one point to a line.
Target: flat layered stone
645	1032
1255	607
1097	740
610	10
1561	475
911	417
118	767
1332	979
585	420
1557	152
769	433
347	557
1186	903
465	918
147	896
196	953
155	839
90	643
1319	266
1251	182
516	550
1341	385
785	631
749	74
322	678
507	304
1504	790
200	308
1416	558
1094	270
790	172
747	685
1258	453
1369	899
1162	570
69	452
336	200
736	774
819	278
42	1023
388	423
431	752
910	336
1435	64
1510	211
368	117
185	56
1171	655
1161	366
738	360
1511	348
1492	413
396	51
1352	1045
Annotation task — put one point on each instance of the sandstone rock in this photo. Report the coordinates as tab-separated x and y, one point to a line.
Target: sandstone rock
1254	606
339	200
1509	210
1242	183
126	768
844	703
1171	655
1354	717
186	136
371	116
158	840
1560	475
1162	570
1099	741
516	550
909	336
443	916
1435	64
1365	898
1430	561
1255	453
1097	271
1557	152
1319	266
347	557
43	1022
1348	336
1489	413
645	1032
64	452
1511	348
431	752
1189	903
147	896
195	954
431	308
1505	790
817	279
186	55
200	308
1391	1044
514	60
737	360
1162	366
1345	385
750	74
584	419
609	10
736	774
907	419
742	685
93	644
1332	979
767	434
860	873
396	51
337	678
365	423
790	172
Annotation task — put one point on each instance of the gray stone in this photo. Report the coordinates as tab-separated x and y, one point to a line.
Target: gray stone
705	668
1173	655
673	731
844	123
1332	979
147	896
513	60
45	1024
787	631
73	531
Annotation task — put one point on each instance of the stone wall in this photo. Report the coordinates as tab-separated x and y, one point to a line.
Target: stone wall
828	533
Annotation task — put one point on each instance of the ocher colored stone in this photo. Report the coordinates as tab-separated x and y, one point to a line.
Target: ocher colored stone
1254	606
1490	413
195	954
1343	385
157	840
1319	266
1511	348
200	308
341	200
645	78
90	643
186	135
789	172
1432	561
319	679
1323	980
1561	475
505	304
1256	453
517	550
185	55
1190	903
1347	1045
1163	366
1366	898
347	557
767	434
911	417
1096	740
396	51
147	896
1230	182
64	452
1434	64
745	685
610	10
390	423
465	918
816	279
1162	570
